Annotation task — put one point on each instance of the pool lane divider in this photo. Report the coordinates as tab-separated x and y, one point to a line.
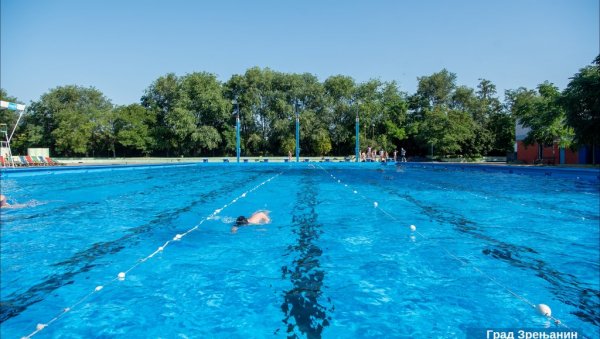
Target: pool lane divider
542	309
123	274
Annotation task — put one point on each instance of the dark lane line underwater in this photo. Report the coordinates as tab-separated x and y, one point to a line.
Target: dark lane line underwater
301	307
566	287
82	261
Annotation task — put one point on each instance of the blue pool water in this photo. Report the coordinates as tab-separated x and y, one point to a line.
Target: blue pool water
331	264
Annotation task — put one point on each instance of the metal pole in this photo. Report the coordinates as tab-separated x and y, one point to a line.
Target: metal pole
238	149
297	132
432	151
357	139
16	124
237	136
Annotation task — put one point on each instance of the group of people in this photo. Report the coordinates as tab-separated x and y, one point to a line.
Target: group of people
382	155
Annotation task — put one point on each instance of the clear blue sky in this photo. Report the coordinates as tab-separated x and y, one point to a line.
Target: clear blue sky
121	46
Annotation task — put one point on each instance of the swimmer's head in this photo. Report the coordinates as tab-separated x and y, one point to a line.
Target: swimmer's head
2	200
241	220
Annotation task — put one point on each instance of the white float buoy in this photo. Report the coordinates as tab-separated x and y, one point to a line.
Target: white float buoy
121	276
413	228
544	309
40	327
161	248
177	237
98	288
375	204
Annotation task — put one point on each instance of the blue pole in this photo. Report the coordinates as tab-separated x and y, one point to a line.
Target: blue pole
237	136
357	140
297	134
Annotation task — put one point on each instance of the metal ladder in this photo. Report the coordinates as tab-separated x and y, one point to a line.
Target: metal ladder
5	144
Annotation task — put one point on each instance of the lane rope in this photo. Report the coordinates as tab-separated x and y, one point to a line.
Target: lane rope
541	308
123	274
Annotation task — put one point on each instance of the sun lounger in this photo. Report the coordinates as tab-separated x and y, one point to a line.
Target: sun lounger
16	160
24	161
30	161
42	161
51	162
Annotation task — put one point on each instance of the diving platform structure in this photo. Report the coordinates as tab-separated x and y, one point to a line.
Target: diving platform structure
5	137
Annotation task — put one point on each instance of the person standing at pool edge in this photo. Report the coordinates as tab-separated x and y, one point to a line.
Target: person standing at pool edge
257	218
403	154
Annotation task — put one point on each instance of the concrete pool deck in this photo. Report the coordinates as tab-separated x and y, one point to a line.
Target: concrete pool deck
274	159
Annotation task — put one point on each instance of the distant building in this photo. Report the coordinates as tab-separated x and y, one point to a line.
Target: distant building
551	154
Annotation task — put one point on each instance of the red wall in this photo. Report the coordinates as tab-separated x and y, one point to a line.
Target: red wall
571	157
529	154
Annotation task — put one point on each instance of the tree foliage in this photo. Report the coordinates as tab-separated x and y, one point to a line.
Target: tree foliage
542	113
194	115
581	100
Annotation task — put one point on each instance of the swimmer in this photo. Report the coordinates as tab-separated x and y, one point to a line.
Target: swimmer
257	218
3	202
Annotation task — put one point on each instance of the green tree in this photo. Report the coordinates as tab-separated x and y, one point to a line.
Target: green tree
395	109
191	113
134	128
581	101
434	90
339	114
442	116
65	118
502	128
431	130
160	99
542	113
72	133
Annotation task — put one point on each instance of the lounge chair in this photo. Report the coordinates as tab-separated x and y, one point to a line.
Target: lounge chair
42	161
51	162
16	160
30	161
24	161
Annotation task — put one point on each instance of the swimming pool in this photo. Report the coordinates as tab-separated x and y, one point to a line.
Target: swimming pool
338	260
